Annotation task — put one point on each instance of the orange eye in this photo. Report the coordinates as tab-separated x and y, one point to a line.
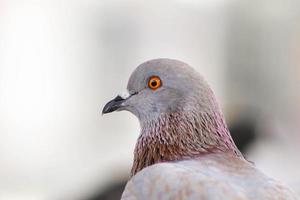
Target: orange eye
154	82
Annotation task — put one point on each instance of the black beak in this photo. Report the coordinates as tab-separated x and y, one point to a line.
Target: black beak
113	105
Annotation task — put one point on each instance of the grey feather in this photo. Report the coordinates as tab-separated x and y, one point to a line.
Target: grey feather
211	177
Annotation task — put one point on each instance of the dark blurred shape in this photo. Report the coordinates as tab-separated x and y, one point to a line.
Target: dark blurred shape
243	133
111	192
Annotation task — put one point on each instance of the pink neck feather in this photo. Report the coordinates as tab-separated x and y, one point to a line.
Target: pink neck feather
182	135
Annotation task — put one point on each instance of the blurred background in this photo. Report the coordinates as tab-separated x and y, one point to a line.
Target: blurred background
61	61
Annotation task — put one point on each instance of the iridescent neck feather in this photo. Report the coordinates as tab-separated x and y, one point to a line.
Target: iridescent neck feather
182	135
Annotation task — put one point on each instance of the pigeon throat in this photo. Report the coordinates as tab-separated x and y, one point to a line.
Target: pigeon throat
180	136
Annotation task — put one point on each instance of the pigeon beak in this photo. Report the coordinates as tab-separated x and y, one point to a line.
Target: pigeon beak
116	103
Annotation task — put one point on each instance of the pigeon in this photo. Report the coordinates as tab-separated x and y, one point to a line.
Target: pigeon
185	150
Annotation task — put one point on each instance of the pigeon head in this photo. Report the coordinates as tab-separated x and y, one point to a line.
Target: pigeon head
159	87
178	113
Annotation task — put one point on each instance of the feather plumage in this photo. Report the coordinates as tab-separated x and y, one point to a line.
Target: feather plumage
208	177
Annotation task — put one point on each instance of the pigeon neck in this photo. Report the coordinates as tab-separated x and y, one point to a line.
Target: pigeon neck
180	136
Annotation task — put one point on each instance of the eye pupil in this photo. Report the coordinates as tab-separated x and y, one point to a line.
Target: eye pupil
154	83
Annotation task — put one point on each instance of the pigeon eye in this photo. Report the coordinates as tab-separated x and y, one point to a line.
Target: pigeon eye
154	82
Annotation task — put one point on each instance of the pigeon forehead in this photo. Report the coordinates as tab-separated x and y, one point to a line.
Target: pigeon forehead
168	70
